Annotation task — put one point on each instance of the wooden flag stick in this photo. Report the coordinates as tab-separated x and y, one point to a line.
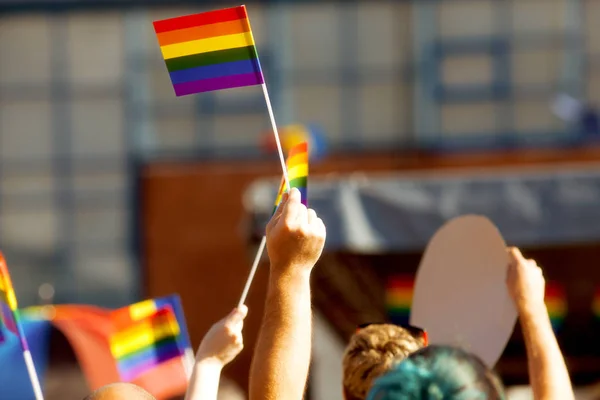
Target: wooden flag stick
33	377
263	242
259	253
276	133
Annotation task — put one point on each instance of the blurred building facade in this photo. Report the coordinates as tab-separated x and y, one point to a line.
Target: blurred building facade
84	96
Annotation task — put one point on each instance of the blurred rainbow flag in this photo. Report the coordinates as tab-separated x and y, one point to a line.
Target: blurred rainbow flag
596	304
297	166
125	316
11	318
150	333
9	313
89	331
146	343
292	135
398	298
556	303
14	378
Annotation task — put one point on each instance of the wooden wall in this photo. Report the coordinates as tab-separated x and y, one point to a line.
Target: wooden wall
193	236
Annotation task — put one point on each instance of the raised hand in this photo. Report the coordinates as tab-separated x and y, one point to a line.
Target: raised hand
224	341
525	281
295	235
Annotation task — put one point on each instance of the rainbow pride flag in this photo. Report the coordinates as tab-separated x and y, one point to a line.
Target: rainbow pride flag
398	298
596	304
146	344
556	303
9	312
297	167
125	316
209	51
292	135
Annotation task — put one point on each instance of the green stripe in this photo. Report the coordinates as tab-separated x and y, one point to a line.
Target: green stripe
300	182
213	57
398	309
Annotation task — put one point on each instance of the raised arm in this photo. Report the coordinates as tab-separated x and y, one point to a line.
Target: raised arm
221	344
548	372
295	240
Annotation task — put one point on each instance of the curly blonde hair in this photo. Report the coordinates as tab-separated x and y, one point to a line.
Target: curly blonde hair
371	353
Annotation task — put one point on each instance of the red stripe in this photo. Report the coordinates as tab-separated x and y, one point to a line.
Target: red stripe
298	149
400	283
206	18
554	290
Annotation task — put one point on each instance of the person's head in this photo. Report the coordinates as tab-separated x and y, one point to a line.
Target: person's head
372	352
436	373
120	391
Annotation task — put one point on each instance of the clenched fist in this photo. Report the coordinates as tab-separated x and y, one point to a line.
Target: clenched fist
295	236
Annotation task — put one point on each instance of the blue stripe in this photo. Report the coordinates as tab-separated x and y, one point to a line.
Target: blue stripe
215	71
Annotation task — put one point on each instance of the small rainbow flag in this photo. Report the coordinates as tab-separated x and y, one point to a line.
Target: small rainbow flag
398	298
556	303
9	312
292	135
127	316
209	51
297	166
146	344
596	304
11	318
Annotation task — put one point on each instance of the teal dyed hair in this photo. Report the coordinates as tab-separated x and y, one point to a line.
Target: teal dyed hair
438	373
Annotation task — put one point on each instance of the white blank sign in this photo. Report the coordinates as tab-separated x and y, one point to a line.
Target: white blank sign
460	295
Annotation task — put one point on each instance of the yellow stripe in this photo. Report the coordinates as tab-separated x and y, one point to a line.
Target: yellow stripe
207	45
142	310
124	343
7	295
399	299
298	171
12	300
298	159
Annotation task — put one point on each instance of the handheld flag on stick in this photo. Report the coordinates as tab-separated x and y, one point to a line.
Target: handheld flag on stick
297	167
10	317
89	330
211	51
294	134
398	298
556	303
596	304
146	344
154	310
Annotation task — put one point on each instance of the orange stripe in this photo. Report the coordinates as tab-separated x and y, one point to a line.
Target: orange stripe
204	32
298	149
301	158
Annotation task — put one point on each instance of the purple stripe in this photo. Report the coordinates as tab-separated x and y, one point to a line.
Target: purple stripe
216	71
209	85
304	195
131	373
136	364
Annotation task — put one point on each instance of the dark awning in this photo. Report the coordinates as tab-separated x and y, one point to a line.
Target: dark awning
391	213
